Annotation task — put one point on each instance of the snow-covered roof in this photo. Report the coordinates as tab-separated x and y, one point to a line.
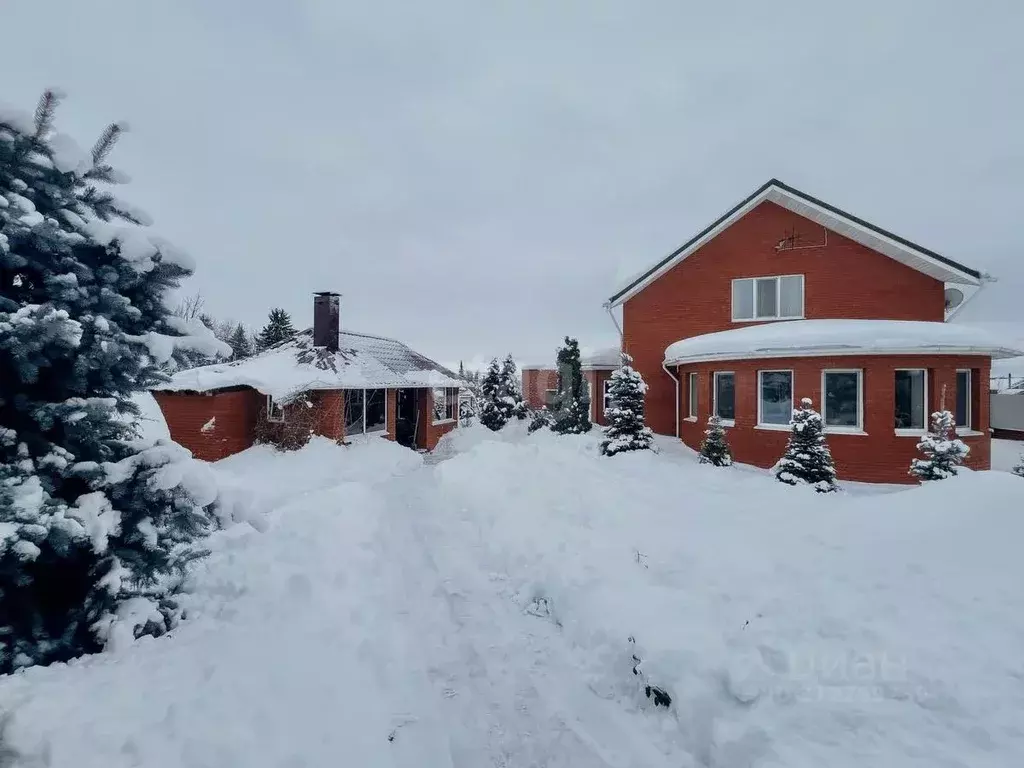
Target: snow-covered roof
602	359
814	338
877	239
295	366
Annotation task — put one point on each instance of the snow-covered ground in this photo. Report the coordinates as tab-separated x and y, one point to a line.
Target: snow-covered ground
475	610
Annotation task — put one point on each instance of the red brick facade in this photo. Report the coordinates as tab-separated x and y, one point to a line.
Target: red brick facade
842	279
880	455
537	381
237	419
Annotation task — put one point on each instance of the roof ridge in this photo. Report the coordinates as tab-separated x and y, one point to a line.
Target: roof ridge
371	336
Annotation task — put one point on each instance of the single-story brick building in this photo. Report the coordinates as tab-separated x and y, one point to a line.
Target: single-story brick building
324	381
540	381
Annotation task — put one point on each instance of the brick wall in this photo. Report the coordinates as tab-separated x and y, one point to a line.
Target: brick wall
428	433
234	415
841	280
535	385
880	456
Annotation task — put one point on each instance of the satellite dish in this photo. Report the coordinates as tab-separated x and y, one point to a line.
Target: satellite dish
954	298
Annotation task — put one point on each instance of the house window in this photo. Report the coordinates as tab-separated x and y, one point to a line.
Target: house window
692	397
606	397
842	400
445	404
911	398
550	398
775	401
768	298
355	412
963	399
275	411
725	395
376	401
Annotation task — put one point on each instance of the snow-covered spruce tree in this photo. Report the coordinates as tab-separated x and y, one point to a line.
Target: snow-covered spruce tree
807	460
512	391
95	526
943	451
572	405
494	411
626	430
241	347
539	419
278	329
715	448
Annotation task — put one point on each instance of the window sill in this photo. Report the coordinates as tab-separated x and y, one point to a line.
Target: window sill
774	427
966	432
727	423
691	419
917	432
442	422
766	319
841	431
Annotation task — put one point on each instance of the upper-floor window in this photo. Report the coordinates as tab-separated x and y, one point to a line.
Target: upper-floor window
768	298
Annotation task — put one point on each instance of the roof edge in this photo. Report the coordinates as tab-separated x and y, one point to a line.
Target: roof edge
996	353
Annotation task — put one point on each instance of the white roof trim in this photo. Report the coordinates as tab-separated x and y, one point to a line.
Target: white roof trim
842	225
825	351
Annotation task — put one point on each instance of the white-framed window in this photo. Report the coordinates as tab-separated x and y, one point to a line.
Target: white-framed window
911	399
445	404
724	396
691	396
842	400
774	398
606	395
275	411
366	411
768	298
962	407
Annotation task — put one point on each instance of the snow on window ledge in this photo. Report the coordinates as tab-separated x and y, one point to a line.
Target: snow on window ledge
917	432
726	423
443	421
774	427
690	418
845	431
968	432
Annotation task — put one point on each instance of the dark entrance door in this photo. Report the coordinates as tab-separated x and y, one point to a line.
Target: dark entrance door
405	417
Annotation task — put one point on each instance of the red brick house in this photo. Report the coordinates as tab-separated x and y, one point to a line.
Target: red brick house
785	297
324	381
540	381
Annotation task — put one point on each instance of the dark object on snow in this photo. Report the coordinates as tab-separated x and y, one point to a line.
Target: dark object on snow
658	695
572	403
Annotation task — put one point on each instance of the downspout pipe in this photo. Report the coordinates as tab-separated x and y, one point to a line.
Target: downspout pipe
676	380
611	314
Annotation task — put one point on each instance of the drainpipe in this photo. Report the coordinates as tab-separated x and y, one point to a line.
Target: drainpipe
611	314
676	380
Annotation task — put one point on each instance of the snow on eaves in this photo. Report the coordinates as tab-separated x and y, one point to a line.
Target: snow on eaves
296	366
812	338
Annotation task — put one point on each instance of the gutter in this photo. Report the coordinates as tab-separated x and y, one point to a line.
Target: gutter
676	380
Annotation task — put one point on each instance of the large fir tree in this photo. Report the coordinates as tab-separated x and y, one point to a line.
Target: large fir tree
511	389
241	347
807	460
715	448
626	430
494	411
278	329
572	404
943	451
95	526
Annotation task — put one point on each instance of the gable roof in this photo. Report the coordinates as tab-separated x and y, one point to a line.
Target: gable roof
294	366
899	248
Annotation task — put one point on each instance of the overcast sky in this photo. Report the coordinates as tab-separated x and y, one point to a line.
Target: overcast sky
477	177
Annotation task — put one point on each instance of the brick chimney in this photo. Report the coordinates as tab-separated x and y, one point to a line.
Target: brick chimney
326	320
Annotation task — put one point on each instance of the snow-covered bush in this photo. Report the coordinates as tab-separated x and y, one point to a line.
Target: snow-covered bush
715	448
943	451
807	460
1018	468
511	390
539	419
96	528
626	430
572	403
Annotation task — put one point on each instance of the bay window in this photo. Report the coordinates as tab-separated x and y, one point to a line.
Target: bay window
768	298
691	399
842	400
775	397
911	399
